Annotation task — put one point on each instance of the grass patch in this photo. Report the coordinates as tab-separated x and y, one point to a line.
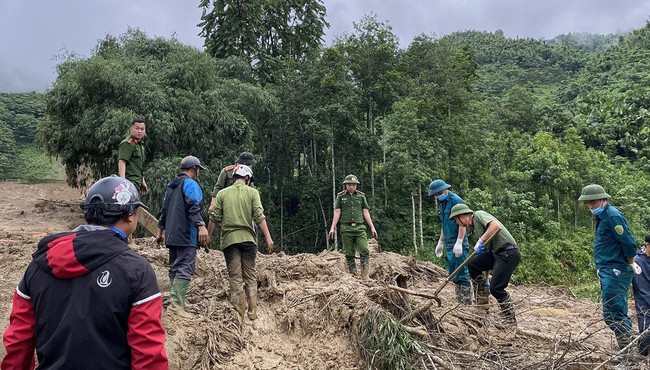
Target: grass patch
33	165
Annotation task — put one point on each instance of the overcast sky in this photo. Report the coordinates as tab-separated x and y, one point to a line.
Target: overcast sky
33	33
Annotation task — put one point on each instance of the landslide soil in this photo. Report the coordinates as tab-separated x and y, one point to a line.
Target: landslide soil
312	313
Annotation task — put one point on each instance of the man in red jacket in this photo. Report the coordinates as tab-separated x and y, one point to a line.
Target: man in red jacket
87	301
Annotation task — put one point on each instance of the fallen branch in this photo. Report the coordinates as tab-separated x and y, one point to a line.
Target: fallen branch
412	292
420	331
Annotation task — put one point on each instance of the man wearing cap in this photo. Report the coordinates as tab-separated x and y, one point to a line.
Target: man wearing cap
614	250
225	178
495	250
86	299
236	209
182	228
452	239
351	208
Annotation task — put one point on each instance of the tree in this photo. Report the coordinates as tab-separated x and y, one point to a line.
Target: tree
265	32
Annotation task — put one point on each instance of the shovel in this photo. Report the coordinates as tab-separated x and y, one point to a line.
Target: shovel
434	297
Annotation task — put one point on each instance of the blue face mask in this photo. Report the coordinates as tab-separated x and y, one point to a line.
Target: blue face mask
597	211
442	197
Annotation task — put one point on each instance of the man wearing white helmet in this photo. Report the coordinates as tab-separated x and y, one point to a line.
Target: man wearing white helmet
236	209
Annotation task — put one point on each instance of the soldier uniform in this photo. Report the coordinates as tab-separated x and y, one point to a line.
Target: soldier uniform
353	228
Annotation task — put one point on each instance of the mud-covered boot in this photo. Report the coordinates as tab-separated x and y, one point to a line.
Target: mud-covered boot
178	292
238	301
464	295
508	318
629	357
252	304
365	269
482	292
352	265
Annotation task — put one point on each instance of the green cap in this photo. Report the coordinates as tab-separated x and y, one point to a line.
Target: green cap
351	179
459	209
593	192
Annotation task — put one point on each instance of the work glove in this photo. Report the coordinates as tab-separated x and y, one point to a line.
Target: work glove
636	268
479	248
439	248
458	248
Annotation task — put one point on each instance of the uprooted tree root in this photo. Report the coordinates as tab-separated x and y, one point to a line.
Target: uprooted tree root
313	314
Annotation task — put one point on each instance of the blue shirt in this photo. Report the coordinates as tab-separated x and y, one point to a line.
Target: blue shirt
614	242
449	227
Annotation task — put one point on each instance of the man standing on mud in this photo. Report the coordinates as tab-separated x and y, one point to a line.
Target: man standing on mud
614	250
497	251
452	239
236	209
183	228
351	207
87	300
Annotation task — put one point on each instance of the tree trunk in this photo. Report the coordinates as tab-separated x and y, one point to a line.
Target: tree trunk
371	164
415	239
420	210
383	166
336	246
282	217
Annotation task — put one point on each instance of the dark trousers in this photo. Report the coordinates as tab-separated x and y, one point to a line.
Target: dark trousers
502	265
182	261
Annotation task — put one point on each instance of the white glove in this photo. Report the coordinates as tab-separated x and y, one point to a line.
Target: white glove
458	248
636	268
439	248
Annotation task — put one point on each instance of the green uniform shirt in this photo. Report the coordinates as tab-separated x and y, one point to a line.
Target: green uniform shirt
224	180
235	209
499	240
132	152
352	206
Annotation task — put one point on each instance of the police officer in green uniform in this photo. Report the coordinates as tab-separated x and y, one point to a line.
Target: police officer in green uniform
130	159
351	208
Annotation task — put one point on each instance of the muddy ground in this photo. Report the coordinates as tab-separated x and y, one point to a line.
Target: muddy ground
313	315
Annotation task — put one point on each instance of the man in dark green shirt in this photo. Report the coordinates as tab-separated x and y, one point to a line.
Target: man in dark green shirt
130	159
351	208
495	250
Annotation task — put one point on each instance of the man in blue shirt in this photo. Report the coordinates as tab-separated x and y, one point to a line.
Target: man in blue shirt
614	250
183	227
452	238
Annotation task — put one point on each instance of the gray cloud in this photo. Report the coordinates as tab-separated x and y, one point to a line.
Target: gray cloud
34	33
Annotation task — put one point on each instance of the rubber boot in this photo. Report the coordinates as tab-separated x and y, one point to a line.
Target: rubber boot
481	291
464	295
630	356
238	301
365	269
179	291
508	314
352	265
252	305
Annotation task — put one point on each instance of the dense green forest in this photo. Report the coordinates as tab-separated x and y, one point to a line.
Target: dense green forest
517	126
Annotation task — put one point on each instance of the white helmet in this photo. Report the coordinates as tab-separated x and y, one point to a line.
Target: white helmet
243	171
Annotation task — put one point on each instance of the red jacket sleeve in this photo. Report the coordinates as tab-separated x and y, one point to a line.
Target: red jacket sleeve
146	336
19	337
